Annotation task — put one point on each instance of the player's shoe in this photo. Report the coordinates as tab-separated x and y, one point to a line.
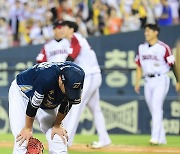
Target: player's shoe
97	145
153	142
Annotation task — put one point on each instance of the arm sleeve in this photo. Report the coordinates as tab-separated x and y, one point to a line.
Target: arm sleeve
41	56
65	107
75	45
137	59
36	97
169	57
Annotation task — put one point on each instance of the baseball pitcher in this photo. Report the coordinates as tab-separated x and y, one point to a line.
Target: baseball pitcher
45	92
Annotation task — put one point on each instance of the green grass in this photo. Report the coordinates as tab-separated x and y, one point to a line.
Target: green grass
131	140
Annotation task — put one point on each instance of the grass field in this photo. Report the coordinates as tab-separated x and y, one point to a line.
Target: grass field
120	141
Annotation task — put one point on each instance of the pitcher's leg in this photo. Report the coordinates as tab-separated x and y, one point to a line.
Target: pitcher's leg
56	145
17	113
46	119
71	122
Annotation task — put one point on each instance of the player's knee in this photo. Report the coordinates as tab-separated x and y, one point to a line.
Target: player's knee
57	146
20	149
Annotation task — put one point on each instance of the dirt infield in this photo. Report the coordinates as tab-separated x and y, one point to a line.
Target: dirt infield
125	148
114	148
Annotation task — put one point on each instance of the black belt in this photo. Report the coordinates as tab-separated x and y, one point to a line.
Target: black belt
152	75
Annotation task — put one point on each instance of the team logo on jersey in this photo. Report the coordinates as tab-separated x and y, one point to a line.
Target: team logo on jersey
50	95
151	57
51	92
49	104
25	88
76	85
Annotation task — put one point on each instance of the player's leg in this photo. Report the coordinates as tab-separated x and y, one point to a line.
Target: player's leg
161	87
148	93
98	117
17	113
72	119
71	122
46	119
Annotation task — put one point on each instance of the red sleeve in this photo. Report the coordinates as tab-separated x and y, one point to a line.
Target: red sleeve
137	60
76	47
168	53
41	56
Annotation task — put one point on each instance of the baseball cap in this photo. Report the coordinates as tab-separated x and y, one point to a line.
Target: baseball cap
73	79
57	24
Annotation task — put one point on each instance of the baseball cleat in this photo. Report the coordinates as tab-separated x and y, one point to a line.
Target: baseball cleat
153	142
97	145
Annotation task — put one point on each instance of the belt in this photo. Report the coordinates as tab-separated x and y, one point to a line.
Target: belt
153	75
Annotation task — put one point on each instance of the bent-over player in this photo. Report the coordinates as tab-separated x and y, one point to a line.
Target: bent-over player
154	59
45	93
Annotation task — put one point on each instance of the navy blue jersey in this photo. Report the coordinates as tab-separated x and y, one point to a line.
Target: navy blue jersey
40	85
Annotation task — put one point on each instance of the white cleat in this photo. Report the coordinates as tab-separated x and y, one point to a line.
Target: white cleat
153	142
97	145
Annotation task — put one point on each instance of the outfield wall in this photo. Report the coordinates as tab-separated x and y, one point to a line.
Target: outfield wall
124	110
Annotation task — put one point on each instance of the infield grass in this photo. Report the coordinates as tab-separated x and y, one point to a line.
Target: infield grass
129	140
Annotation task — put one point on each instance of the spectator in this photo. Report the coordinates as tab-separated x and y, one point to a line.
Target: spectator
103	18
4	9
138	8
131	23
27	11
96	12
82	27
114	22
16	14
157	8
166	16
112	3
82	10
47	29
39	12
5	34
150	11
62	9
175	8
24	31
36	33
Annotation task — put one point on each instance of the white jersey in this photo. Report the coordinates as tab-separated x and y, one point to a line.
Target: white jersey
155	59
54	51
84	56
78	49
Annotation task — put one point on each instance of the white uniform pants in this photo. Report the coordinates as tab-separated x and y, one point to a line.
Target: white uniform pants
90	96
155	90
17	111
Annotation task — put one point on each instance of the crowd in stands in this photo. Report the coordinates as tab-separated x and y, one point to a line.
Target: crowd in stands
24	22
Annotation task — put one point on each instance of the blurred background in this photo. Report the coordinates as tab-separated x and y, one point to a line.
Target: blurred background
114	29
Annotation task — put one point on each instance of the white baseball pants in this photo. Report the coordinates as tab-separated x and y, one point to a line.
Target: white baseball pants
90	96
17	111
155	91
